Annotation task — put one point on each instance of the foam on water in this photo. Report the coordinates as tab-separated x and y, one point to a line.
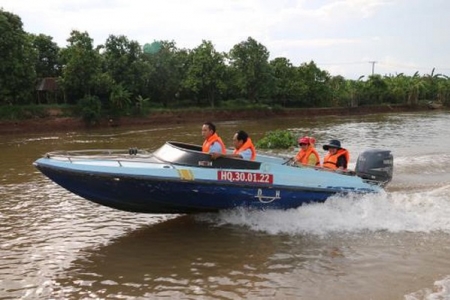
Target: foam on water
394	212
440	291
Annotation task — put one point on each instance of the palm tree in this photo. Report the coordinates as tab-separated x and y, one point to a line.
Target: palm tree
119	99
416	85
398	88
443	89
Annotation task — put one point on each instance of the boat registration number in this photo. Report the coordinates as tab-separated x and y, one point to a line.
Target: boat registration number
244	177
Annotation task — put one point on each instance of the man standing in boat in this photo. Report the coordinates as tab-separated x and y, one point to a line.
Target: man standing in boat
213	143
243	147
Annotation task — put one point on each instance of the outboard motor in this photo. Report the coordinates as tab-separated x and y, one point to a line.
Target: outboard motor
375	165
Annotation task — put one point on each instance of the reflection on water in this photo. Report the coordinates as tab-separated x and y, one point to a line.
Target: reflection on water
176	258
188	258
43	229
54	244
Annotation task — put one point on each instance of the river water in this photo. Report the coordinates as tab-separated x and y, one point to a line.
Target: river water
393	245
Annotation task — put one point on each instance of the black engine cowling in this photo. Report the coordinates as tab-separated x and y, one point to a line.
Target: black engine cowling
375	165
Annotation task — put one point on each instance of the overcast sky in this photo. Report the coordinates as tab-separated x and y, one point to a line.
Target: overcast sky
346	37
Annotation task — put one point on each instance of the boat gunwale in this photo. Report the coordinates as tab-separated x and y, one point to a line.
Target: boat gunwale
135	155
154	178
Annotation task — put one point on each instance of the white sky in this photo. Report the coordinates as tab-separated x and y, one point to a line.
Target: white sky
342	37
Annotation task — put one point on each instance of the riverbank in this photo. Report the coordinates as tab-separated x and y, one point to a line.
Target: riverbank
58	123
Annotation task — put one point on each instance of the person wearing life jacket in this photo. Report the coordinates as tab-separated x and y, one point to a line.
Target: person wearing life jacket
213	143
337	157
243	147
308	155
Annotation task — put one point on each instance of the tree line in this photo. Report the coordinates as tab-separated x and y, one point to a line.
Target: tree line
121	74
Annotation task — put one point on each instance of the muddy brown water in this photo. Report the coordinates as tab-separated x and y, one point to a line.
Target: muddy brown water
395	245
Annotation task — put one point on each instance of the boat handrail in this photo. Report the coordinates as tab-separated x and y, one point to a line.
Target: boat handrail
119	155
100	151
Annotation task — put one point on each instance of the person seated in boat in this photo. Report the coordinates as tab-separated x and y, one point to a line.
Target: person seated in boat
337	157
243	147
308	155
213	143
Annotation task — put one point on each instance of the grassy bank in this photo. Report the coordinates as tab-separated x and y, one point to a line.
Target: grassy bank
63	118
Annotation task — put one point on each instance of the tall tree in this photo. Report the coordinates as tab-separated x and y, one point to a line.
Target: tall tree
81	66
47	63
250	60
397	87
340	95
355	90
375	90
317	82
17	73
168	66
286	88
205	72
122	60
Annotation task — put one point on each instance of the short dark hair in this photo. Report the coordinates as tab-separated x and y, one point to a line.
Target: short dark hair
211	126
242	136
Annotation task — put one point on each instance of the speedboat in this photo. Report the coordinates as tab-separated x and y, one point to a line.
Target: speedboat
179	178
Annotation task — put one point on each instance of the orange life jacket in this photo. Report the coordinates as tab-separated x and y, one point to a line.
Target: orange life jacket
247	145
211	140
303	156
330	161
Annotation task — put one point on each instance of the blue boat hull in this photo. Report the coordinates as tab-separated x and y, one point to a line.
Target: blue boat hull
153	195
